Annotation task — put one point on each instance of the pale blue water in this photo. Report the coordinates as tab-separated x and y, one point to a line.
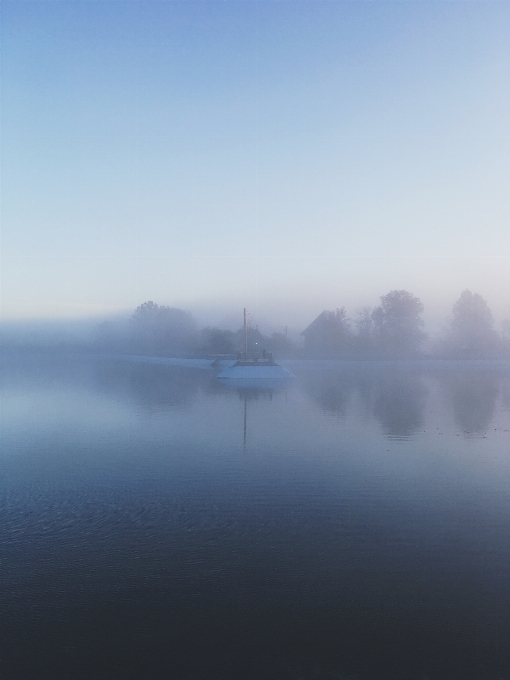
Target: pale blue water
158	524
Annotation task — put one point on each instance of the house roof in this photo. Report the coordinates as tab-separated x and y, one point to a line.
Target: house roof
318	323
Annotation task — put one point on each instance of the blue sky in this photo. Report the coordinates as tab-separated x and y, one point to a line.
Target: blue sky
284	156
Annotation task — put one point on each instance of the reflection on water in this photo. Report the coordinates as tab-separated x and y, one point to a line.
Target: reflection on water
396	394
399	404
145	539
152	386
392	393
330	384
474	394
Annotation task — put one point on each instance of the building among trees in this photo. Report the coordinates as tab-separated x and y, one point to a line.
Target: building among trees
392	330
328	334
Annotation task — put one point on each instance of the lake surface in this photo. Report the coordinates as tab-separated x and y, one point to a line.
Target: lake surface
354	523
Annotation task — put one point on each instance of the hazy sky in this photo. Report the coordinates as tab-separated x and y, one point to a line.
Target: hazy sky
283	156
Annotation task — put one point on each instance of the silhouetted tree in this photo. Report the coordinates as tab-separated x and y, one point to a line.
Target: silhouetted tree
398	324
217	341
256	341
472	331
363	341
505	336
162	330
280	343
505	329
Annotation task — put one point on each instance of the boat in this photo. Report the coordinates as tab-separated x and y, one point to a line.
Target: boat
254	366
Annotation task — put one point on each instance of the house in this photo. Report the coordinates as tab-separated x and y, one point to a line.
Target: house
328	333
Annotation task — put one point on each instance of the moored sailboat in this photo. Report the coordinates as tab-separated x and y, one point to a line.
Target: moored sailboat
254	366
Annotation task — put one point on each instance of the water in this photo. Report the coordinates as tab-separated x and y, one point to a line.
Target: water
354	523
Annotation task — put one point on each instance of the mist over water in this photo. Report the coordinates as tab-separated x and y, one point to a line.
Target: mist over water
394	329
352	523
340	172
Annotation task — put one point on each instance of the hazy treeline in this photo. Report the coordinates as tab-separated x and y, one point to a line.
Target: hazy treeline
159	330
392	330
395	329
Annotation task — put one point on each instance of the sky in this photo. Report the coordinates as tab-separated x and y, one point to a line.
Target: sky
287	157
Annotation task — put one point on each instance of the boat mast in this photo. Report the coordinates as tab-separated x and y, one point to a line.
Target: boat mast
245	335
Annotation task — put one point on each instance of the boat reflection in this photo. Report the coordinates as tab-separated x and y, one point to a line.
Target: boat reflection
256	385
252	389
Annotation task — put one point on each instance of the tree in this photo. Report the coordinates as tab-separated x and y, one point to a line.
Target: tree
398	324
472	333
363	341
217	341
162	330
505	336
280	343
505	329
256	341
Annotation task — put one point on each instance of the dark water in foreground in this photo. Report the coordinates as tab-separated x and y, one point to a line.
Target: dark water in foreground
157	524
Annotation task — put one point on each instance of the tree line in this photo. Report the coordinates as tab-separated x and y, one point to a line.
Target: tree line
395	329
392	330
160	330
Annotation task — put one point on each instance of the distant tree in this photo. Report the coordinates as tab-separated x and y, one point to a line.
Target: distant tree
217	341
280	343
363	340
472	331
505	329
339	327
256	341
162	330
505	336
398	324
145	312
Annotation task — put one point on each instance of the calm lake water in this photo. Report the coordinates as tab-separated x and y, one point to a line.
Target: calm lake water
157	524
